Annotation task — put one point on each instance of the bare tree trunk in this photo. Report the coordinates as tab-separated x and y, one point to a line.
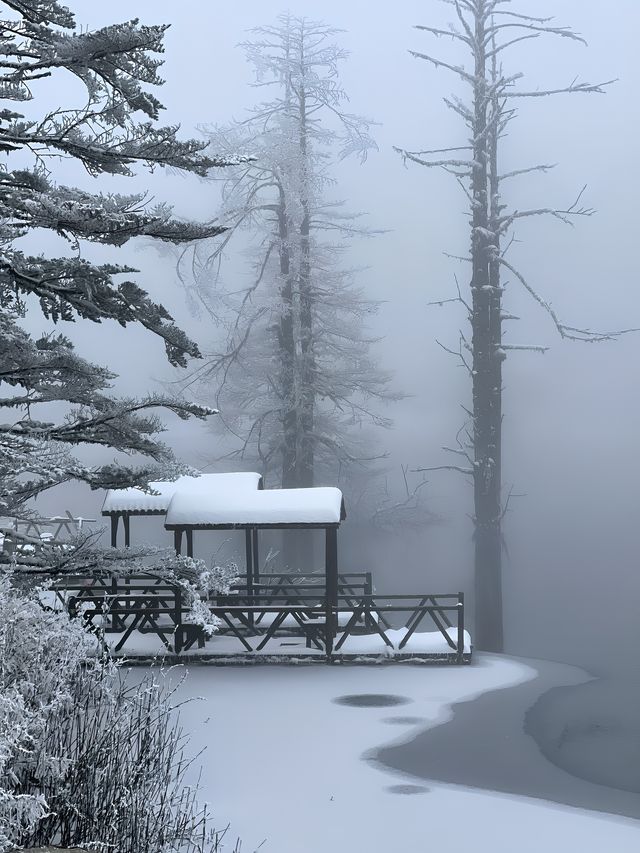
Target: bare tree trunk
298	552
307	360
293	555
286	344
487	367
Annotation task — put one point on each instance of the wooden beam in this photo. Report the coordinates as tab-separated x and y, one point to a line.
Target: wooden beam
256	559
189	542
331	585
177	539
114	530
127	532
248	546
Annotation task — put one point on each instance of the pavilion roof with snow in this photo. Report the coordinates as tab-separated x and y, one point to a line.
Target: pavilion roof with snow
124	503
254	510
268	508
232	501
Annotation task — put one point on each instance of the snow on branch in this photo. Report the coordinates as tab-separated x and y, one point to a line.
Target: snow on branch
536	30
568	332
439	63
572	89
563	215
542	167
451	33
458	468
415	158
525	348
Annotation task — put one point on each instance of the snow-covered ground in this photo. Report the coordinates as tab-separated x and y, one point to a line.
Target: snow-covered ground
292	769
420	643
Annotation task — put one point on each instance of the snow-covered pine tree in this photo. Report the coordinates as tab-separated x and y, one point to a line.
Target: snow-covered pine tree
485	31
294	379
115	64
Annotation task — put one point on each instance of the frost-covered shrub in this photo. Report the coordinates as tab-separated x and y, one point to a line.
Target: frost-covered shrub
86	759
199	582
82	556
41	657
123	788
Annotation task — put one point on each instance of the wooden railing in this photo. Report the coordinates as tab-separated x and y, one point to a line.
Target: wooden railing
349	583
144	603
112	605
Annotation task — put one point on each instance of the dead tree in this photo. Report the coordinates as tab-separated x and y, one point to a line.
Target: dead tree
485	29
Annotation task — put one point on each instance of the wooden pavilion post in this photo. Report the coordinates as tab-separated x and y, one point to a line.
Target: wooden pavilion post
126	520
189	532
248	544
331	586
256	559
177	540
114	529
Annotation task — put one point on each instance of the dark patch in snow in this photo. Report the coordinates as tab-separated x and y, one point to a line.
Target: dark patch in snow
371	700
407	789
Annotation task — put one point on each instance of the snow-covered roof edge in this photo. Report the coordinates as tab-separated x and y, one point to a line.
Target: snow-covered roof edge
313	507
134	501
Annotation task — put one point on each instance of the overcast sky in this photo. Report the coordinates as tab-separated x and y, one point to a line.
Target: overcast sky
572	416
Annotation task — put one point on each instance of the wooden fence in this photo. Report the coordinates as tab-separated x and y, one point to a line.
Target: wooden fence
281	608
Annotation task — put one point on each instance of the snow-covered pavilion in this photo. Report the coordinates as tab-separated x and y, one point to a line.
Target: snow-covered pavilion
342	618
125	503
240	509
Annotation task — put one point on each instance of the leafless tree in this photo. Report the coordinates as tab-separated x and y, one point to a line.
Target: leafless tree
485	30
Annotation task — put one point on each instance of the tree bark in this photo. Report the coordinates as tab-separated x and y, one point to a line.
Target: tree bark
297	546
307	361
286	345
487	364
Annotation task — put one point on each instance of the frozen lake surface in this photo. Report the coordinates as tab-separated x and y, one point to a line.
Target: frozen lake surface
483	746
316	758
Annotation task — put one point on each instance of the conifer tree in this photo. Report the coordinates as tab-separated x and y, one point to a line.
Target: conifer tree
115	130
294	378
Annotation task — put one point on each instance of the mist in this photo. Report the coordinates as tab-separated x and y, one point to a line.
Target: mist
571	416
570	408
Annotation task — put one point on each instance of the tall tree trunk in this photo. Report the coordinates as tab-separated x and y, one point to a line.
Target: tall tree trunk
298	547
307	360
287	326
487	367
286	346
306	461
295	552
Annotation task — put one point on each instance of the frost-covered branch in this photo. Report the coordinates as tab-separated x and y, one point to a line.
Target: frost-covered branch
55	400
457	468
569	332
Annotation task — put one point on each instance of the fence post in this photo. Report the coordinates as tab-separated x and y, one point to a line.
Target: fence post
177	642
368	593
115	619
460	655
331	588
